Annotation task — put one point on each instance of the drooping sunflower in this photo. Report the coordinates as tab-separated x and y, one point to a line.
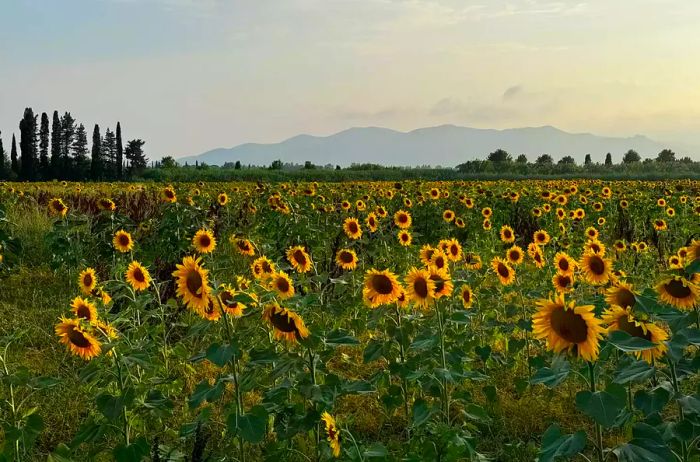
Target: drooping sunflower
352	228
87	280
204	241
281	283
262	268
443	282
679	292
57	207
380	288
621	294
472	261
286	324
596	269
419	287
244	247
168	194
138	276
618	318
515	255
505	273
332	432
122	241
212	311
192	283
567	326
299	259
507	234
404	238
403	219
563	282
78	340
346	259
372	222
84	309
227	301
106	204
660	224
564	263
594	246
467	296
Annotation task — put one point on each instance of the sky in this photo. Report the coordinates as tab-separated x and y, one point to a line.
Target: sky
192	75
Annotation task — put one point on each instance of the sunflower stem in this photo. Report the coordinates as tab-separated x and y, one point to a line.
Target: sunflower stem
402	356
121	390
598	429
681	414
239	398
445	391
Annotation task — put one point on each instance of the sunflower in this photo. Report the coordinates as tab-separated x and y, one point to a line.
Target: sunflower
467	296
286	324
84	309
57	207
405	238
596	269
419	287
87	280
564	263
567	326
622	295
228	303
505	273
204	241
675	262
372	222
281	283
262	267
620	245
442	281
439	259
448	216
507	234
77	339
299	259
168	194
222	199
515	255
403	219
332	432
541	237
212	311
591	233
352	228
452	249
137	276
694	250
102	294
380	288
538	258
122	241
486	224
472	261
106	204
244	247
346	259
679	292
563	282
618	318
594	246
192	283
660	225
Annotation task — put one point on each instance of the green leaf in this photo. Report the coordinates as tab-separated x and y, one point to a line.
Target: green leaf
251	426
219	354
654	400
476	412
601	406
375	450
636	371
625	342
421	412
646	444
340	337
552	376
690	404
694	267
155	399
555	445
88	432
373	351
134	452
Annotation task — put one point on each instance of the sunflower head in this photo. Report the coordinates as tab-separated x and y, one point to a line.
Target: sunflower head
87	281
84	309
419	287
505	273
380	288
286	324
281	283
466	295
596	268
78	339
299	259
346	259
192	283
352	228
679	292
138	276
204	241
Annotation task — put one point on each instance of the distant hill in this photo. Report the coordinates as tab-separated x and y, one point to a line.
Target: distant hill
445	145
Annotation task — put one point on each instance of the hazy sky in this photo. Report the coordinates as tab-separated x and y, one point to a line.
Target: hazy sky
192	75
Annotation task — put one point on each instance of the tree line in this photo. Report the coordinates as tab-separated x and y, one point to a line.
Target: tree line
58	150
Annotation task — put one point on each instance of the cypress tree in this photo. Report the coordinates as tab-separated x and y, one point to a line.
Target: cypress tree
55	145
96	163
27	145
80	152
109	149
608	159
67	136
44	147
13	157
3	160
120	152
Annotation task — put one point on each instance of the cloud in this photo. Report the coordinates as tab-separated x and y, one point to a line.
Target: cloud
512	92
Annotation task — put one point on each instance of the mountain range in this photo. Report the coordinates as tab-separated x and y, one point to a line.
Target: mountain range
444	145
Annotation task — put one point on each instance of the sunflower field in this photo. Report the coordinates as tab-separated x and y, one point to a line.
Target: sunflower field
360	321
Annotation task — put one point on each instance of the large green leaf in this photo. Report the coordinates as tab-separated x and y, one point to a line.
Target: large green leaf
251	426
625	342
634	371
601	406
555	445
134	452
552	376
653	400
646	445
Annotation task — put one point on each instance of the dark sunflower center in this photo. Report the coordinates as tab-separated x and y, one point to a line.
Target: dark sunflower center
454	250
282	285
625	298
87	280
123	240
420	287
169	194
569	325
597	265
78	339
227	299
677	289
382	284
300	257
346	257
139	276
439	283
503	270
83	312
194	282
403	218
283	323
204	241
631	328
564	264
440	262
352	226
467	296
506	234
514	255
